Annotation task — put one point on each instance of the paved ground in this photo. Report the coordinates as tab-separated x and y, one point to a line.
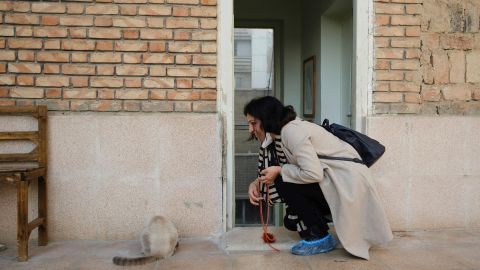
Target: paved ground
409	250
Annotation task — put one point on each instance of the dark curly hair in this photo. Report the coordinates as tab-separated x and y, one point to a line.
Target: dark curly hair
271	112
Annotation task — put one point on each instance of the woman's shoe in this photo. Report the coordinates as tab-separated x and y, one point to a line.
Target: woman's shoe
305	248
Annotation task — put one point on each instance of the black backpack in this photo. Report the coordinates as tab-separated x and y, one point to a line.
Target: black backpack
369	149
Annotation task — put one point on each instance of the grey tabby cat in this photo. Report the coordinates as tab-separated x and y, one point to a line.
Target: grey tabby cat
159	241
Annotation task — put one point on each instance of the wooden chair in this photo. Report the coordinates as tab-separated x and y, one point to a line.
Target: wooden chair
19	169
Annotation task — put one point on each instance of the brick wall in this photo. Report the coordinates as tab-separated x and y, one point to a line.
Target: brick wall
109	55
427	57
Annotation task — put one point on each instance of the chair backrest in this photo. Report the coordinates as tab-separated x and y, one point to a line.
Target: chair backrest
38	137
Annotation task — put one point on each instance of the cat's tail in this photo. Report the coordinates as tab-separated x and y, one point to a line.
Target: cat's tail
125	261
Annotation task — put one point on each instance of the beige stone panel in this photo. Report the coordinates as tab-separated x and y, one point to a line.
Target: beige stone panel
472	143
437	201
392	132
472	201
437	145
393	190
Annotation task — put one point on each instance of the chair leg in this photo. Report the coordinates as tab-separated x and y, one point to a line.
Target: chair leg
42	211
22	221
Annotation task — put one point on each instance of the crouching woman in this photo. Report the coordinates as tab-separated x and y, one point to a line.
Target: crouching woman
312	187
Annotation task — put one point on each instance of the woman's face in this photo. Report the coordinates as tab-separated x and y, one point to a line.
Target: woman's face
255	127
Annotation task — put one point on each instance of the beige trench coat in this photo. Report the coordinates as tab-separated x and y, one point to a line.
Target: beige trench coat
357	213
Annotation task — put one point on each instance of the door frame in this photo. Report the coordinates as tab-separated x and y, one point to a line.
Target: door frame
363	84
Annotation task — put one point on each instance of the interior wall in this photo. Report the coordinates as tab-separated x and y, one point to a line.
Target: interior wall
289	12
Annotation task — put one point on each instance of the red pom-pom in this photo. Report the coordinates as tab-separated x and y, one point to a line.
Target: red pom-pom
268	238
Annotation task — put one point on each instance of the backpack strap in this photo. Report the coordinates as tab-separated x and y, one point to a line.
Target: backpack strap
356	160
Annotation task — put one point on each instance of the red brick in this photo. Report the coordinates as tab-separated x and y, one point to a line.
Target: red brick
80	93
106	82
131	105
50	32
184	83
457	92
21	6
102	9
25	80
135	46
22	43
473	72
184	47
53	57
157	106
389	75
50	20
208	95
132	58
404	87
440	67
382	64
476	93
208	2
131	70
79	81
182	95
203	11
2	43
131	34
204	106
128	10
412	31
105	58
390	31
406	64
430	93
25	102
105	70
208	23
53	93
181	23
387	97
405	20
51	69
181	11
188	2
97	105
26	56
79	57
158	94
414	9
104	21
78	32
208	72
204	83
7	80
55	81
155	10
7	55
157	46
78	45
405	42
158	58
158	71
457	41
131	94
183	59
48	8
389	53
7	102
6	6
412	98
24	31
209	47
156	34
204	59
133	82
26	92
182	35
129	22
78	69
204	35
155	22
22	19
106	93
24	68
3	67
105	33
76	21
183	72
51	44
7	31
381	20
158	83
75	8
389	8
104	46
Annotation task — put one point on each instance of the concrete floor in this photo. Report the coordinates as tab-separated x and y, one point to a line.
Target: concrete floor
450	249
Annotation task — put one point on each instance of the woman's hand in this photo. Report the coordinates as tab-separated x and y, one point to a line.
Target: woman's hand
254	193
270	174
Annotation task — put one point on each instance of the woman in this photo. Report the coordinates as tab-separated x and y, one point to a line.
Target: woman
313	187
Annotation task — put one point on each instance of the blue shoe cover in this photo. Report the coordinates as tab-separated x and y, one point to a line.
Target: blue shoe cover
305	248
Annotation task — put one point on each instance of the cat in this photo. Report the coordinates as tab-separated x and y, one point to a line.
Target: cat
159	240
